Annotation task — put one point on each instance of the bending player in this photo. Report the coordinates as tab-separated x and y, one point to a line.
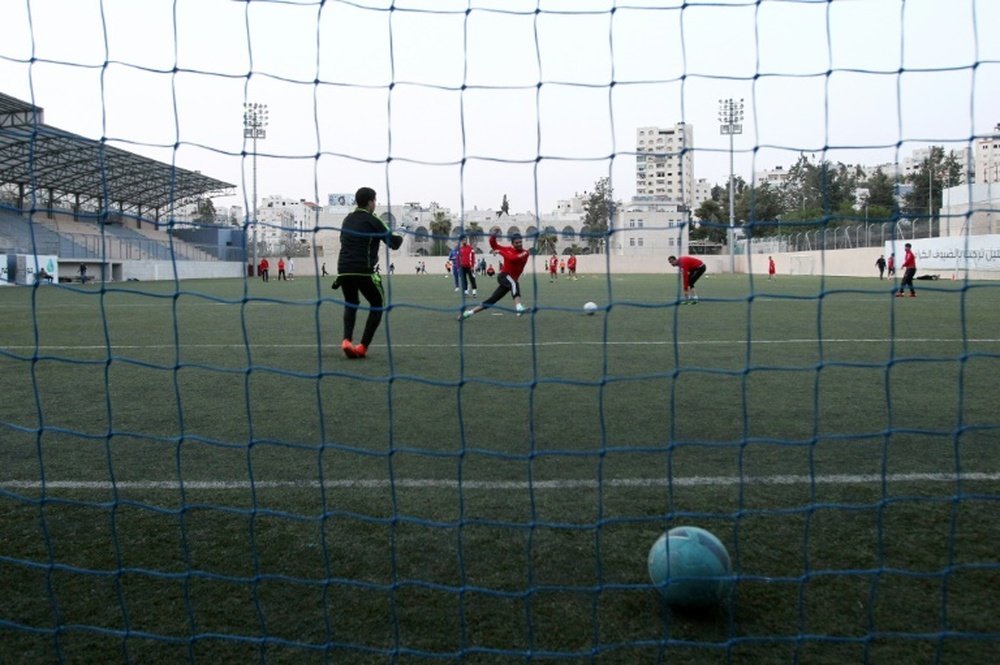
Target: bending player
515	257
691	271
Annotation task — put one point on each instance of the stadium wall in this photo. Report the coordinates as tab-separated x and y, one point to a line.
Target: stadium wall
848	262
165	270
835	263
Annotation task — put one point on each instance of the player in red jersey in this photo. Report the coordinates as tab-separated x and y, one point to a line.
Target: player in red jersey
553	268
571	265
515	257
467	262
691	271
770	268
909	266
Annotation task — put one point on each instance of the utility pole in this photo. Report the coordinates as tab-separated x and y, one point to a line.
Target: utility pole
254	127
731	123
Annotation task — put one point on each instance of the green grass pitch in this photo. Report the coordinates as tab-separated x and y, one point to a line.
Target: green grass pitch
194	471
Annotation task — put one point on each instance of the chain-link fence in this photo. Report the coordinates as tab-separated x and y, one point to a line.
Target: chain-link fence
851	236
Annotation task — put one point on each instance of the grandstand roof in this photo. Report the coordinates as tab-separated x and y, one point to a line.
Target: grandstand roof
41	157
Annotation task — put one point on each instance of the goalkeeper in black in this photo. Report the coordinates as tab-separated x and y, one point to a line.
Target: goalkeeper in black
360	235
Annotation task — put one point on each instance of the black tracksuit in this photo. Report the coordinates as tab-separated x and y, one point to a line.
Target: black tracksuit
360	235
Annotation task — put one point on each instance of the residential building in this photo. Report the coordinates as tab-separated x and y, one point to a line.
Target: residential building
666	191
664	168
917	160
282	222
775	177
988	157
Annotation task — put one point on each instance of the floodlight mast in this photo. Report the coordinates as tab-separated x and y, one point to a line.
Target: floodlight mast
731	123
254	127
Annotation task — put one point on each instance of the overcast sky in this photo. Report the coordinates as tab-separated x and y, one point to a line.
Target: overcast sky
463	101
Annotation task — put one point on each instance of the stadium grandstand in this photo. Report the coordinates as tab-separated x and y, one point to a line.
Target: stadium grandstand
68	202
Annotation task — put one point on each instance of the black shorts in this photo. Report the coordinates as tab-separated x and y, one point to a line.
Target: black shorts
695	275
508	283
505	284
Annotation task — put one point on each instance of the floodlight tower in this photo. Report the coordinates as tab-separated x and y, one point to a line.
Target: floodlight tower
731	123
254	127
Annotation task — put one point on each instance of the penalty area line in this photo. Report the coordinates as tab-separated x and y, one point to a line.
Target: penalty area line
501	485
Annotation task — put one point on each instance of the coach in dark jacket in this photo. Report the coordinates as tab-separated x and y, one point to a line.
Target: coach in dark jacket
360	235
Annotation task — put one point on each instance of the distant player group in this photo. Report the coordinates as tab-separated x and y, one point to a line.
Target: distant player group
357	273
909	266
264	269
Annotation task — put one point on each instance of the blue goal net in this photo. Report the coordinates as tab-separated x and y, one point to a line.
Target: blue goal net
718	383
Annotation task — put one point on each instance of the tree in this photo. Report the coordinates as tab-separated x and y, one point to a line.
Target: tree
206	212
760	208
546	243
712	221
440	230
816	190
475	233
599	207
936	174
881	191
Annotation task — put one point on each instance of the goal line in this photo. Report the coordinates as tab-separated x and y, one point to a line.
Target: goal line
494	485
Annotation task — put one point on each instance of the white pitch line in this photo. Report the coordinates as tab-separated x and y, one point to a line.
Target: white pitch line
398	345
493	485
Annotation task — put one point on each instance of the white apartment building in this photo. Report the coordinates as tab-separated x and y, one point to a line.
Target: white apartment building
775	177
656	220
282	221
643	231
918	159
988	157
890	169
664	164
702	192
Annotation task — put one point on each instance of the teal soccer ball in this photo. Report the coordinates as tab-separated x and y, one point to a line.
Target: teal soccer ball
690	567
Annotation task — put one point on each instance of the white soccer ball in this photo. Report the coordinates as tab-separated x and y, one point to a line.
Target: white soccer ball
590	307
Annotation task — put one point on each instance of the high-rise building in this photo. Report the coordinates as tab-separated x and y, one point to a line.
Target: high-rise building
657	218
664	168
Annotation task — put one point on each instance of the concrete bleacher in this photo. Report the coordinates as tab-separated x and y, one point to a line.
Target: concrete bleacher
18	235
149	241
86	240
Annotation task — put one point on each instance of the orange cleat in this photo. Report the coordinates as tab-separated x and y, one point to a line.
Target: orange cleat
360	351
349	349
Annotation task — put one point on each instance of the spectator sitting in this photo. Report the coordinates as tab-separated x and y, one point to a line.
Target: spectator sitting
43	274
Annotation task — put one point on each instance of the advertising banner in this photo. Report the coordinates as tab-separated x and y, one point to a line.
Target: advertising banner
341	202
974	253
